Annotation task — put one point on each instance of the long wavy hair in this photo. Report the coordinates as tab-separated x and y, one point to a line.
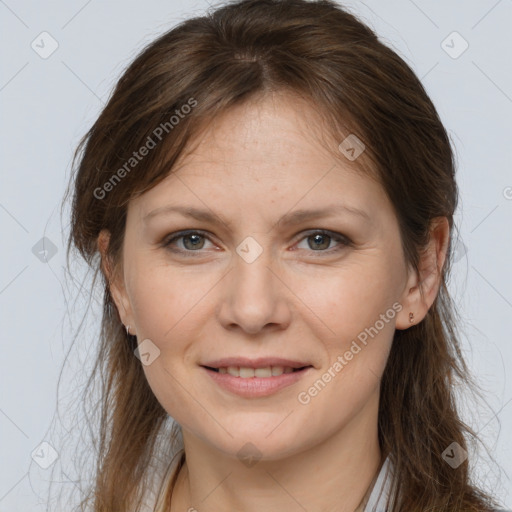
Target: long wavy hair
240	51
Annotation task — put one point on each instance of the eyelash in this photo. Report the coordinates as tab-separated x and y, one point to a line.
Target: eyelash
343	241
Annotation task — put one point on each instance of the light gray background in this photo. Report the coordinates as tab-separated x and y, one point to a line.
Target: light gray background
48	104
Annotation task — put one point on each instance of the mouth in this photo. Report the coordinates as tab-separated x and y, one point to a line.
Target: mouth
255	378
248	372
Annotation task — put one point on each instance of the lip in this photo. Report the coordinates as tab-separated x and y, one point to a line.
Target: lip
260	362
256	387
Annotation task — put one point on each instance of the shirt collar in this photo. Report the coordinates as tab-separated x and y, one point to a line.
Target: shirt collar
381	492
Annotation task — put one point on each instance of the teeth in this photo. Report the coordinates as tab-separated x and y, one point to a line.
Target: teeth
262	372
233	370
247	373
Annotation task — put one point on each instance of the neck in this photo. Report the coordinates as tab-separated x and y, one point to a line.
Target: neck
335	475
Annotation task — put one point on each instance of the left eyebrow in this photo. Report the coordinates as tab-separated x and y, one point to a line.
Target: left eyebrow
299	216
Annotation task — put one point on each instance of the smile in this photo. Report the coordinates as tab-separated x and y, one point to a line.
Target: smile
250	382
246	372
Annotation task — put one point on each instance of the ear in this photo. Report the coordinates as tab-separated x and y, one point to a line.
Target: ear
115	282
429	279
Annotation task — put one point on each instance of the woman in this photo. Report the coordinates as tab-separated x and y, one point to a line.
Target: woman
271	193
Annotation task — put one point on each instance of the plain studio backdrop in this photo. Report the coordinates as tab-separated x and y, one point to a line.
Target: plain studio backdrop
59	63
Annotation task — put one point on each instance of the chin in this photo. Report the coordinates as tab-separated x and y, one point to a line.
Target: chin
257	441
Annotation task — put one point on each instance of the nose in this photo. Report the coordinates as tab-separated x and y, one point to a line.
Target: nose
255	297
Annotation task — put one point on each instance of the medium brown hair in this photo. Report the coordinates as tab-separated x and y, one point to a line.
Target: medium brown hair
324	54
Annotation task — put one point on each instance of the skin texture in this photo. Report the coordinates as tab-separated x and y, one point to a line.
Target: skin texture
254	164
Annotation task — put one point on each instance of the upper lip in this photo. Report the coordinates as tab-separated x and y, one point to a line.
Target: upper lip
261	362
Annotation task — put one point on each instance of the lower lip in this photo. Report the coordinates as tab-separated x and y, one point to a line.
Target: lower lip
255	387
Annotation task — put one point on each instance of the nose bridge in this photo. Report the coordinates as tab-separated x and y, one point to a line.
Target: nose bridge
255	297
254	275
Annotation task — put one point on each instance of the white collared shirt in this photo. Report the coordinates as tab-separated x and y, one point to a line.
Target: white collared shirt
381	492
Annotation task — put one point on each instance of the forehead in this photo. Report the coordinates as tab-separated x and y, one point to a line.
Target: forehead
275	131
276	149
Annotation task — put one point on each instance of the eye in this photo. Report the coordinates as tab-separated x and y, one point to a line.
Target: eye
193	241
320	240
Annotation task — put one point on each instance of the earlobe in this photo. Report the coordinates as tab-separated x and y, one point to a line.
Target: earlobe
409	314
422	289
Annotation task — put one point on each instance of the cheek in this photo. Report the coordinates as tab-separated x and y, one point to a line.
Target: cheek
164	311
351	299
169	308
351	375
165	301
357	324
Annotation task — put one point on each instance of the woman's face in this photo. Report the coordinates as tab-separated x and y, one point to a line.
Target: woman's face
251	280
